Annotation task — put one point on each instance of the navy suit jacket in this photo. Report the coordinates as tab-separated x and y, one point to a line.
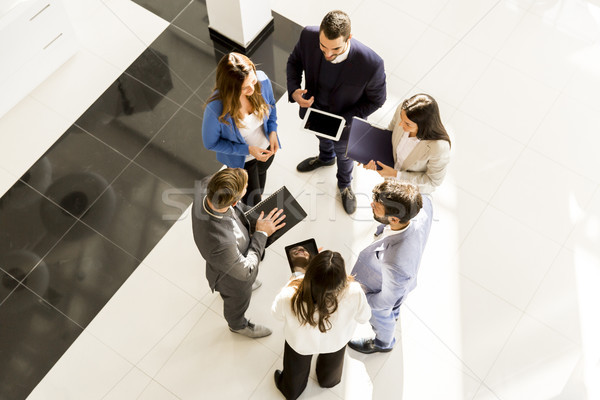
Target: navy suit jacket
360	87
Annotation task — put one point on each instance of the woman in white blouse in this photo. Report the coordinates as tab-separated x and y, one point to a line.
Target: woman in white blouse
421	143
320	310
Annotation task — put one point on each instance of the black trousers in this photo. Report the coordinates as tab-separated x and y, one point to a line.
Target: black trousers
296	368
257	176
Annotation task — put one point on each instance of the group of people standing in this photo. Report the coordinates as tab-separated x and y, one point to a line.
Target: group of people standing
321	304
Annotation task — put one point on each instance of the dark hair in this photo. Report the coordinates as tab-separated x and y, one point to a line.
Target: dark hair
232	71
318	292
423	110
226	187
335	24
400	199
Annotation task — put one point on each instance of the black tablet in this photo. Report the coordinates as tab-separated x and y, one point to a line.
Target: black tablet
309	245
324	124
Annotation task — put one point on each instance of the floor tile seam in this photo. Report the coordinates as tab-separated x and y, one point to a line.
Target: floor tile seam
535	292
163	386
159	131
535	78
116	15
509	337
59	240
118	382
418	18
47	303
129	161
78	219
169	280
532	227
562	26
220	315
174	326
557	332
180	12
188	33
183	339
484	385
455	45
273	366
472	373
493	58
564	166
493	293
12	291
491	368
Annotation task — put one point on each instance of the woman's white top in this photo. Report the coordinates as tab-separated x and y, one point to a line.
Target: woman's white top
405	147
305	339
253	132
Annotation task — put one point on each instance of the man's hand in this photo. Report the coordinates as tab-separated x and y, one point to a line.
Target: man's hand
260	154
271	222
304	103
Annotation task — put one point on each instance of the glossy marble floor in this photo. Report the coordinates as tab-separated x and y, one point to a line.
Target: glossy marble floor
103	292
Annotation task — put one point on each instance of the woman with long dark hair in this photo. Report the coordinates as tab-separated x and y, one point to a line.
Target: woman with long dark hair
240	121
320	310
420	142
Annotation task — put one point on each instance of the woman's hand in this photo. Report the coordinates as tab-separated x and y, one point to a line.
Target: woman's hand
273	142
385	171
370	165
260	154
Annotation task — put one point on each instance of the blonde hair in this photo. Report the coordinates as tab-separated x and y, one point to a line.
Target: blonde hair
227	186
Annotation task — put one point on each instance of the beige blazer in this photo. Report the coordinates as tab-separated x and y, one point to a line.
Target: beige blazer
426	165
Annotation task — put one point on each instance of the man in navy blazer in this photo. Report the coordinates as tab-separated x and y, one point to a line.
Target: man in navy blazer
343	77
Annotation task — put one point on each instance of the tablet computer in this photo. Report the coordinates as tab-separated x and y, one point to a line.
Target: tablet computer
324	124
309	246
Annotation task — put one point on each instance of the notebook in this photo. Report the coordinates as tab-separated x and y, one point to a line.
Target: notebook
281	198
324	124
309	244
368	142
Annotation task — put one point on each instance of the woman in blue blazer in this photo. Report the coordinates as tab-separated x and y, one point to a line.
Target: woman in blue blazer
240	121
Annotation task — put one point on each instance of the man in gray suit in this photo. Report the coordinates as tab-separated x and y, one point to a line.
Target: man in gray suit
387	269
232	253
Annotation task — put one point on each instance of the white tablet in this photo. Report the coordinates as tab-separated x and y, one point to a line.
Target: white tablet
324	124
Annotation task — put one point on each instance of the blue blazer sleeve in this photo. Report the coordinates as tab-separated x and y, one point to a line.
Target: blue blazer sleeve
218	136
267	93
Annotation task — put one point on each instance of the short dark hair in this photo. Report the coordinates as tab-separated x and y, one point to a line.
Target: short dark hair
335	24
400	199
226	187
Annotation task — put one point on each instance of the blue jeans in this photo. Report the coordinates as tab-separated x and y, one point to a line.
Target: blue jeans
329	149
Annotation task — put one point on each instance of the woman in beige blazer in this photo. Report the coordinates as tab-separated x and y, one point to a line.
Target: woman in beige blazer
421	144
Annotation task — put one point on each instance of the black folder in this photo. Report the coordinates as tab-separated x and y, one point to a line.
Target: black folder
281	198
367	142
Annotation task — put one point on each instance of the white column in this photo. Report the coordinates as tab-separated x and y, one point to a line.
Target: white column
241	21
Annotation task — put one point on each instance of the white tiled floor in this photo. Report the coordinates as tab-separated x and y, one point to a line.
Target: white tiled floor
507	302
111	35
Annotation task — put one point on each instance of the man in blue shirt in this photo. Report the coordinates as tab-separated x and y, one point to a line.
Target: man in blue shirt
387	269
